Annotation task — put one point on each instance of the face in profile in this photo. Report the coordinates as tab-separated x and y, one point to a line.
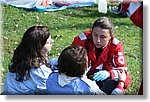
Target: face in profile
100	37
47	47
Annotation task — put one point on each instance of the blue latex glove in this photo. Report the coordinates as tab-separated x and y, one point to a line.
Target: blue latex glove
101	75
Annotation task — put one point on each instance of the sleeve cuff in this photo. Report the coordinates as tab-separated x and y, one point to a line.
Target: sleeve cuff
121	88
111	74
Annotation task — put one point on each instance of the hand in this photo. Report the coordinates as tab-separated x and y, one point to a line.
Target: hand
54	63
122	78
122	75
101	75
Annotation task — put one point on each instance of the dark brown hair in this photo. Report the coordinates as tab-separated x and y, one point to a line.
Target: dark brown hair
73	61
28	53
104	23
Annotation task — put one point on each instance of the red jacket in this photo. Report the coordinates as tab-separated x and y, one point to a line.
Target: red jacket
111	58
135	12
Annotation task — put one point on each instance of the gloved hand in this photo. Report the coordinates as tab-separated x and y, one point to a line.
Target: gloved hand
101	75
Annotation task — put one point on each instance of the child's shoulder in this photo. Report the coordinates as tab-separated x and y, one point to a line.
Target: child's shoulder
42	71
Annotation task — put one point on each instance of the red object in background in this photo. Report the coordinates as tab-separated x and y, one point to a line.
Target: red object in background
45	3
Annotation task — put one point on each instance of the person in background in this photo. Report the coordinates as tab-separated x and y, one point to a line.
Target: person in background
29	70
105	54
70	79
133	8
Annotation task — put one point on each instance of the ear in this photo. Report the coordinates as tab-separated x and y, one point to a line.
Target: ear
109	37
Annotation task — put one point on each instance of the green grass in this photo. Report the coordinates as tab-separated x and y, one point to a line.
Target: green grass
64	26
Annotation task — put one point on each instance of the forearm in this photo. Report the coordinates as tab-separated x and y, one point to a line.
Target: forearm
114	73
118	91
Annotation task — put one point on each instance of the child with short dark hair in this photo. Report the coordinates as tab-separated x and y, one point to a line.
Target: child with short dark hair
71	79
